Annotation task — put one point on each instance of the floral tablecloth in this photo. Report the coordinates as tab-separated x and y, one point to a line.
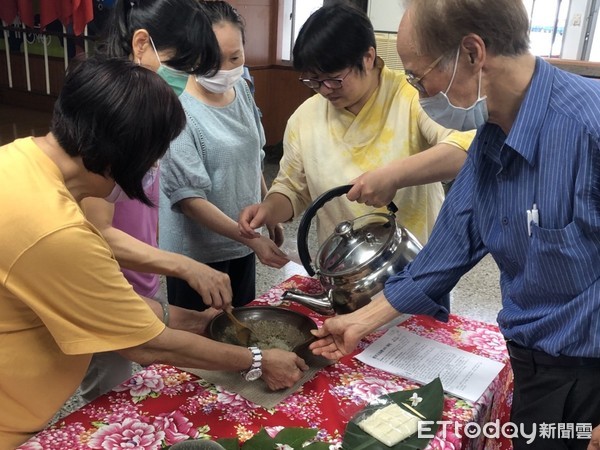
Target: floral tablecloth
162	405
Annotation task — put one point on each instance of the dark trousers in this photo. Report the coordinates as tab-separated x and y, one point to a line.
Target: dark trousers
558	394
242	273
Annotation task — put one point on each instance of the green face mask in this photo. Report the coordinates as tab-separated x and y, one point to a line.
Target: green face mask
177	79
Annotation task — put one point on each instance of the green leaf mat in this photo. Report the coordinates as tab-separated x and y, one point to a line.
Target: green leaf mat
431	407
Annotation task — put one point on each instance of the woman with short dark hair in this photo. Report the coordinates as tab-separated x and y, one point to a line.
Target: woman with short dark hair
90	129
62	294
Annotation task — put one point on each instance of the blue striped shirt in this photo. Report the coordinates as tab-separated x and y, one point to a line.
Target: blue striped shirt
550	280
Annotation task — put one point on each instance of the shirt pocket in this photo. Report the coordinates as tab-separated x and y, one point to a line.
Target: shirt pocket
561	263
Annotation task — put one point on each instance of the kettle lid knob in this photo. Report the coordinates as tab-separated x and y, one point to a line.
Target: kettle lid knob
344	229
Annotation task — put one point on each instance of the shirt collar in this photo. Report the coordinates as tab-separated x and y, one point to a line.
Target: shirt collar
524	134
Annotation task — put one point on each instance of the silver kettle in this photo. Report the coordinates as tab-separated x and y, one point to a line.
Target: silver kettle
353	263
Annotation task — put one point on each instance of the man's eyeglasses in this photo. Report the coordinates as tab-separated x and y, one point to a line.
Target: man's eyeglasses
416	81
330	83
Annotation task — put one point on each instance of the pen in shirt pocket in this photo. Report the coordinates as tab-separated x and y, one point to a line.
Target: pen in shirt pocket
533	215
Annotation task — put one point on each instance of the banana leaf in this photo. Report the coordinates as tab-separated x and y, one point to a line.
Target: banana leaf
430	407
296	438
229	443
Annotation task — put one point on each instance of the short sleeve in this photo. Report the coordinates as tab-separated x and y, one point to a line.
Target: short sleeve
183	173
70	279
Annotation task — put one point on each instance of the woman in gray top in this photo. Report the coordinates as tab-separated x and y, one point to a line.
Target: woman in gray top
213	170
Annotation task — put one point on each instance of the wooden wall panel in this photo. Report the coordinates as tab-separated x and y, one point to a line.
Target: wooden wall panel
278	94
260	30
257	18
583	68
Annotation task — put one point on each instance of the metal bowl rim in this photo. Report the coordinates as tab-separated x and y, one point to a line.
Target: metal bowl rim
241	309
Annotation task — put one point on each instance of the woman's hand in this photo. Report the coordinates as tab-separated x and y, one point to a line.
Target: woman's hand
374	188
268	252
276	234
276	208
251	218
213	286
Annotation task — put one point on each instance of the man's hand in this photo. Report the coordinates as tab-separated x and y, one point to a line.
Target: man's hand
595	441
281	369
336	338
339	335
187	319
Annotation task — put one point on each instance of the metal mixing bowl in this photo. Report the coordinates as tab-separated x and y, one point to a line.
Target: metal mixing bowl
249	314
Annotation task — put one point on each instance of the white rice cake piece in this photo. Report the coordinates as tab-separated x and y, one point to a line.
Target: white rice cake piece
390	425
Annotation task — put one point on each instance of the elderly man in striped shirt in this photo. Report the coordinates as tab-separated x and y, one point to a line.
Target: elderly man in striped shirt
528	194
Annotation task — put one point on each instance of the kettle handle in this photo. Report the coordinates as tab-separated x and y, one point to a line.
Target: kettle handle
311	211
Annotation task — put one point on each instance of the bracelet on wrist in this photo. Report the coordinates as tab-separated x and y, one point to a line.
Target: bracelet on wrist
165	308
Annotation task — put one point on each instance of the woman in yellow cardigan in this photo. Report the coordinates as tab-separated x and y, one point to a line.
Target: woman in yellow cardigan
364	127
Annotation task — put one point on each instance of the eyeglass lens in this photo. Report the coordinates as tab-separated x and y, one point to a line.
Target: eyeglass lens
416	81
330	83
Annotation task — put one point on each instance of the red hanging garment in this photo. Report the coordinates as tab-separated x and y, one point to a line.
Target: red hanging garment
25	8
8	11
49	12
83	13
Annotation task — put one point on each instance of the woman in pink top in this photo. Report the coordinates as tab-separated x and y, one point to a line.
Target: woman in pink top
173	38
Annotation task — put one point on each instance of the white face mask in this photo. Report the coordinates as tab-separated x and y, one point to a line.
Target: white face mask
119	195
446	114
116	195
222	81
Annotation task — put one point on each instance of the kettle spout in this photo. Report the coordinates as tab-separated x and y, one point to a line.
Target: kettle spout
319	303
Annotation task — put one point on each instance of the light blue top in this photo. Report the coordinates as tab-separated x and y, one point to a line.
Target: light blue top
217	157
549	280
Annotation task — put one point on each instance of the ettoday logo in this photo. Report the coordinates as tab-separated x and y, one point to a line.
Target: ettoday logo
494	430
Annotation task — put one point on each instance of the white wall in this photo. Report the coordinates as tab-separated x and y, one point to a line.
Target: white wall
594	50
385	14
575	30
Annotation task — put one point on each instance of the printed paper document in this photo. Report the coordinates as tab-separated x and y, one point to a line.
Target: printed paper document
411	356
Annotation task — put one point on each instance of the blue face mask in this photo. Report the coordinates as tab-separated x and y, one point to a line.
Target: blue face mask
177	79
447	115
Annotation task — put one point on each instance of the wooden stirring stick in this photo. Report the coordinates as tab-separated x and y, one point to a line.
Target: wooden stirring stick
242	332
